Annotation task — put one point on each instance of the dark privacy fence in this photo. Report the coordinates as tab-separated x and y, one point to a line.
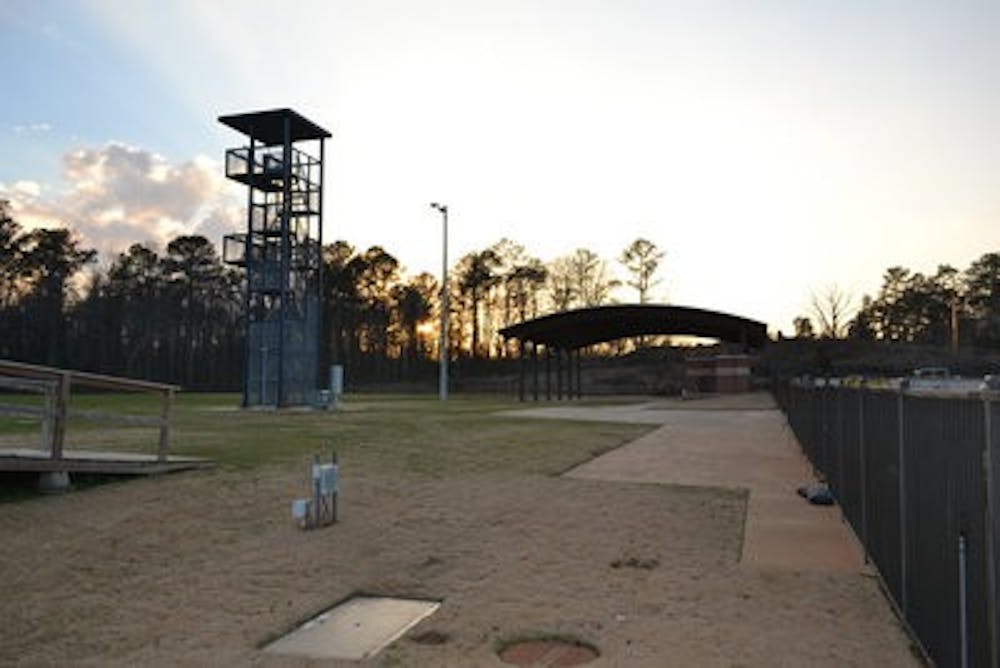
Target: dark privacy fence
916	477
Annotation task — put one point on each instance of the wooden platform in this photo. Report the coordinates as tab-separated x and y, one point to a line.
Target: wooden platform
93	461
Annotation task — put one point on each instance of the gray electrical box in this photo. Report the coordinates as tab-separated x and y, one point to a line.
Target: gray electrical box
336	384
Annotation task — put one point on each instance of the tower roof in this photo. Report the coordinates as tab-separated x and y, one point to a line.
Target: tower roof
268	126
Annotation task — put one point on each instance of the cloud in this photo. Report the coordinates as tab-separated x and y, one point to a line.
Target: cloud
220	221
27	188
31	128
116	195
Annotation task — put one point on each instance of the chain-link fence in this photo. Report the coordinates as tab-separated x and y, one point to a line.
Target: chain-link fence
915	475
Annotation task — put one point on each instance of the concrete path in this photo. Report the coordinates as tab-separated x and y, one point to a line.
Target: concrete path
745	449
647	411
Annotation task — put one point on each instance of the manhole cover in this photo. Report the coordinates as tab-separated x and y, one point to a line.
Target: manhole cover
550	653
356	629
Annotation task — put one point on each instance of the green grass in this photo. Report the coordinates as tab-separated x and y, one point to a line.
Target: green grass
414	434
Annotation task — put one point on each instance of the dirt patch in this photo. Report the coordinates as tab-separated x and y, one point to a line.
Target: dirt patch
200	568
431	637
635	562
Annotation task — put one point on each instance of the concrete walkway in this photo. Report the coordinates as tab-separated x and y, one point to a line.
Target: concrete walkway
744	449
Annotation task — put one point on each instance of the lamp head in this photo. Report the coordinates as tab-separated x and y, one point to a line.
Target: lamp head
440	207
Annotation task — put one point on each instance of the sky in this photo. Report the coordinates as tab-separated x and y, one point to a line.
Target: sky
771	149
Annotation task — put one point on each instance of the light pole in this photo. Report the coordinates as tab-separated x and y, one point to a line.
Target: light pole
443	375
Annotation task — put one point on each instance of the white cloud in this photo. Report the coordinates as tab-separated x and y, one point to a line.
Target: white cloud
32	128
116	195
27	188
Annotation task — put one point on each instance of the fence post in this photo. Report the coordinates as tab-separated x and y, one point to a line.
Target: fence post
824	432
963	603
863	464
901	463
991	598
164	445
49	416
61	410
840	394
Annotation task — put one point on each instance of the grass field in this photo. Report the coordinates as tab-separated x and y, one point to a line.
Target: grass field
416	434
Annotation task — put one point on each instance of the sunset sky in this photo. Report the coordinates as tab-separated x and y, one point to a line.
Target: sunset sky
770	148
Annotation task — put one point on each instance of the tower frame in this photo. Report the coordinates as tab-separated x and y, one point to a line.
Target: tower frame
281	253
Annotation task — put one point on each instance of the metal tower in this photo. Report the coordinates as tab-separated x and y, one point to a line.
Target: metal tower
281	252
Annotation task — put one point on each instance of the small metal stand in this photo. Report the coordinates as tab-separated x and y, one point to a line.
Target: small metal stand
321	509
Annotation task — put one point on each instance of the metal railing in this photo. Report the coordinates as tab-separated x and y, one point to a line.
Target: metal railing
915	476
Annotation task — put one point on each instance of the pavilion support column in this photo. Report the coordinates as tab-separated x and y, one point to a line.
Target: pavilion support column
568	383
567	378
534	369
569	373
548	373
520	370
573	379
559	373
579	375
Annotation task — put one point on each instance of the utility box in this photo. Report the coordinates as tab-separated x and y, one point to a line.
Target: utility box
336	384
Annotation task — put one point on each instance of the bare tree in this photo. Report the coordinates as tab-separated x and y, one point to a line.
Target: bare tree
833	309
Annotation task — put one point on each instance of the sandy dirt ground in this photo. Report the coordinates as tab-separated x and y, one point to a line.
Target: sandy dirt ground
750	450
203	568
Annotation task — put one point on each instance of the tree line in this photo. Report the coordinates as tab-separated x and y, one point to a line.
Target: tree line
950	306
177	315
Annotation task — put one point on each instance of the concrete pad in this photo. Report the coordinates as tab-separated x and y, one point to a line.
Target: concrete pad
742	449
788	533
630	413
356	629
647	411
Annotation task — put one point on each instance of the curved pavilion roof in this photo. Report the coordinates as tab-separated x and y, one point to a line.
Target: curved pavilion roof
587	326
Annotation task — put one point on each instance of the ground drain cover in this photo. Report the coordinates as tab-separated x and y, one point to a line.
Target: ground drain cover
548	653
356	629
